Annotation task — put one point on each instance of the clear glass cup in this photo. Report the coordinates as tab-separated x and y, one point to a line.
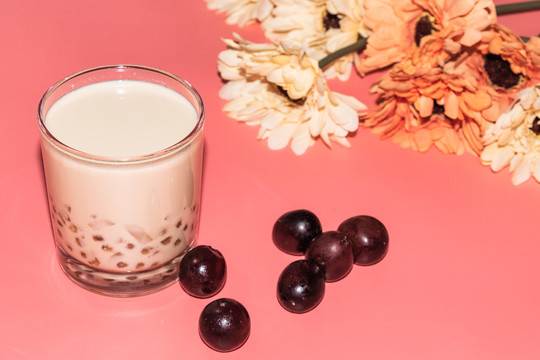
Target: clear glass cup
122	223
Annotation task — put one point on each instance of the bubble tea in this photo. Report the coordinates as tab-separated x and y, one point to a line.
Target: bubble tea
122	149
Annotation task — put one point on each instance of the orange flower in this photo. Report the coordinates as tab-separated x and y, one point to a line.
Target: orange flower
398	27
508	64
431	99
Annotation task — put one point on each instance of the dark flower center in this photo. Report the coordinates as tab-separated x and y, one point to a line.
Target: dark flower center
424	27
437	109
284	92
535	127
331	21
499	71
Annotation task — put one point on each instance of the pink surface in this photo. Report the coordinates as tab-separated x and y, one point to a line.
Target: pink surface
460	280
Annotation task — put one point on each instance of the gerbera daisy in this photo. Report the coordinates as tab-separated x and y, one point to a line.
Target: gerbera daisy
398	26
514	139
324	25
430	100
283	90
508	64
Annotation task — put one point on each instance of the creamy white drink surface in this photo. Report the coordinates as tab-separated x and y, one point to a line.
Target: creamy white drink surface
120	217
121	118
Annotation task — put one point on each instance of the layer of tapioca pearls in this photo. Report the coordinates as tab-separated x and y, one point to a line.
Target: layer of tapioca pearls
103	244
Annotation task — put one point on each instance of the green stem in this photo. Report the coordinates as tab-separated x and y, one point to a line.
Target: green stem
360	44
517	7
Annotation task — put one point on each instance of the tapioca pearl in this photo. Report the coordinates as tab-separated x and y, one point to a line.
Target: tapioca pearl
163	231
59	223
59	233
117	254
185	227
166	240
154	264
79	242
94	262
146	250
78	273
131	277
83	255
73	228
177	242
69	247
108	279
121	264
106	248
139	265
97	237
130	246
64	217
178	224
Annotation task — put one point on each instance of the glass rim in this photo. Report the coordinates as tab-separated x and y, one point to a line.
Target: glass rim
124	159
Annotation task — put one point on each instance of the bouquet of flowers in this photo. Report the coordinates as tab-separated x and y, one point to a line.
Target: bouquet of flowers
453	78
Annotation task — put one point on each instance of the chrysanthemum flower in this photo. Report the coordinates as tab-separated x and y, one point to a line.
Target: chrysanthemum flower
508	64
344	24
325	25
429	100
398	27
514	139
241	12
299	20
283	90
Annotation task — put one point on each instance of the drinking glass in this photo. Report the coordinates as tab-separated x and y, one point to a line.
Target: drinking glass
121	223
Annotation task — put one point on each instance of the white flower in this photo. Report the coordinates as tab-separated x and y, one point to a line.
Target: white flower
514	139
325	25
242	12
281	89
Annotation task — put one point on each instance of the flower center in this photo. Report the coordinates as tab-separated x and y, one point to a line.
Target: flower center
424	27
437	109
331	21
499	71
284	92
535	127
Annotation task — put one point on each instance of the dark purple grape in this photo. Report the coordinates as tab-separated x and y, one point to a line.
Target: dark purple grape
224	325
294	231
202	271
369	238
333	252
301	286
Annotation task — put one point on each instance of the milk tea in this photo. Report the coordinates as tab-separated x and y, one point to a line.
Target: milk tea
123	164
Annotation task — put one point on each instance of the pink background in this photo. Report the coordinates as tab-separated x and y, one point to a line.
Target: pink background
460	280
